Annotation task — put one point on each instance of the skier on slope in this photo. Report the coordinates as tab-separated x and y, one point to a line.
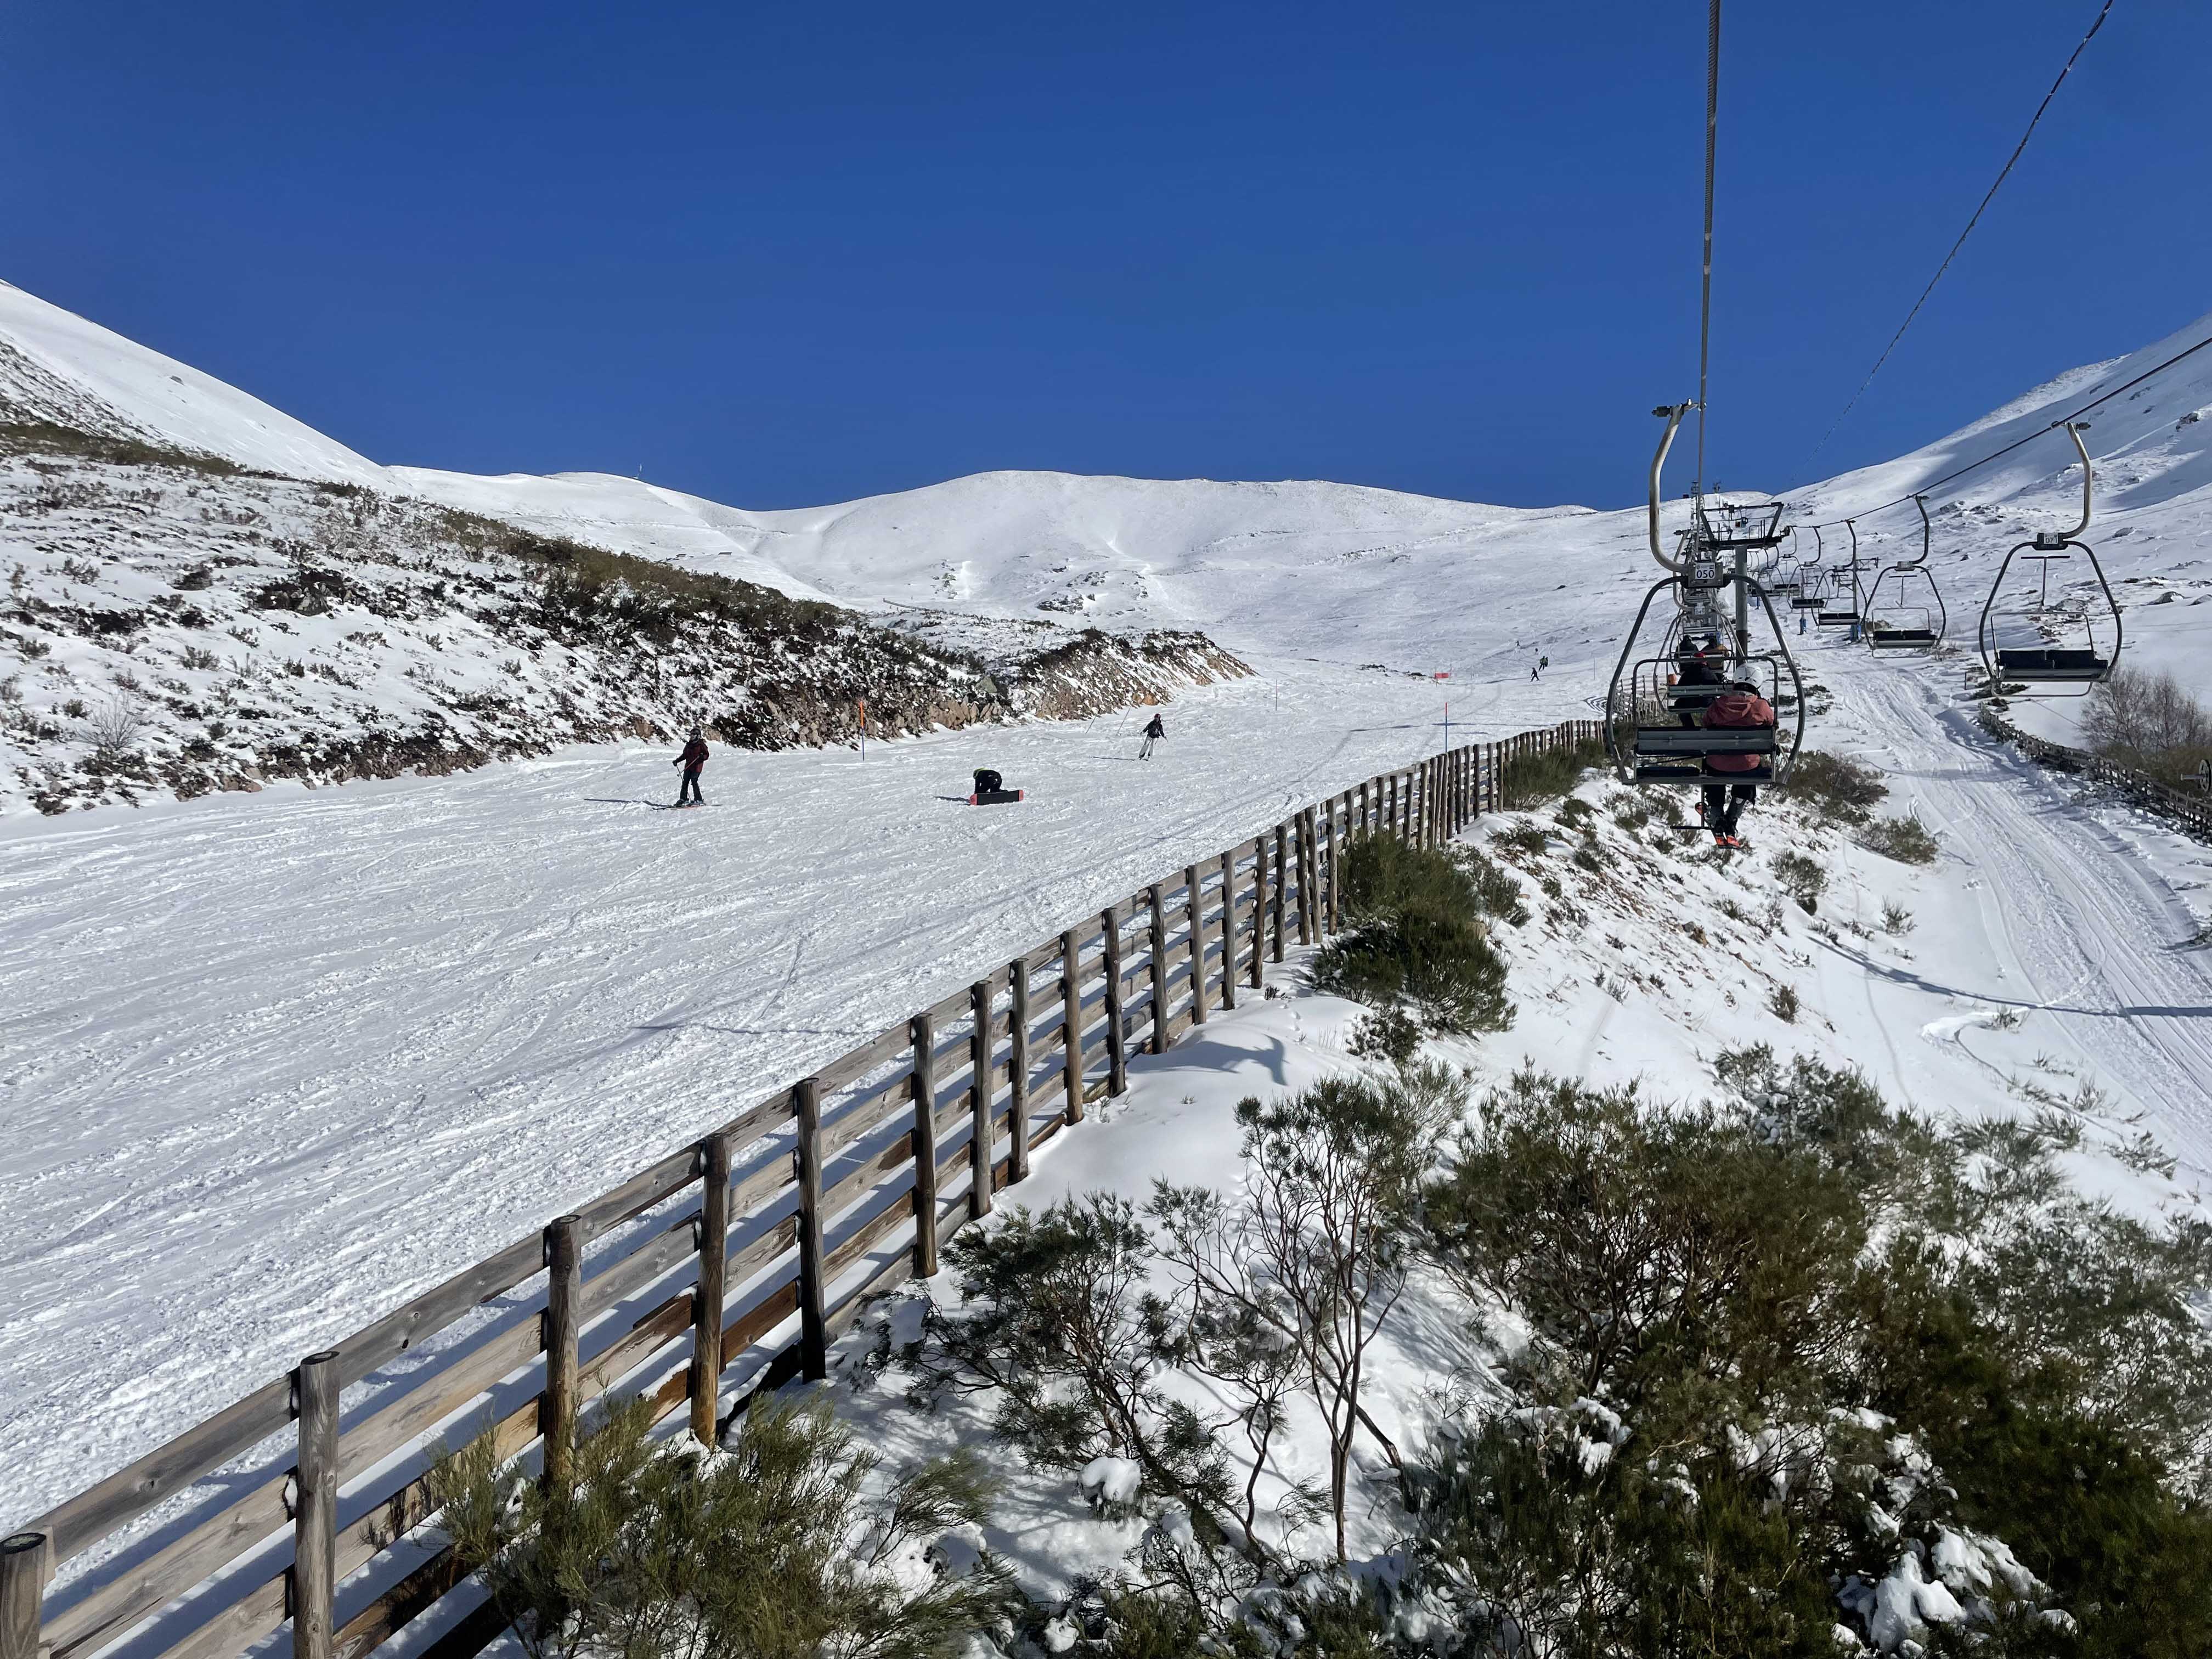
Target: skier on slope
693	760
1153	734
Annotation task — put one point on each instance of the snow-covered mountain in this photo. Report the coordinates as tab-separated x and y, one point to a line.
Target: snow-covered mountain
157	527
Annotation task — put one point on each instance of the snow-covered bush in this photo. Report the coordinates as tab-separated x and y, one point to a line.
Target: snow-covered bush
1794	1358
1839	790
1906	840
1495	890
1529	780
1801	878
1285	1289
783	1546
1415	939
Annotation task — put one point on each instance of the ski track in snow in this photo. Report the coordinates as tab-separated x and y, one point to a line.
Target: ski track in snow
2080	932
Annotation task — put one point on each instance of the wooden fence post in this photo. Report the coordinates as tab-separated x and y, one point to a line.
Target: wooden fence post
813	1304
1117	1040
1303	861
1018	1069
1071	1024
1159	952
979	1091
1228	928
706	1306
564	1302
1360	822
922	1031
314	1583
1259	907
1339	838
1193	911
23	1559
1282	876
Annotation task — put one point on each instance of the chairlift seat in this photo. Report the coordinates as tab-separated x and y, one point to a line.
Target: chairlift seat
1836	618
2052	663
1901	639
1693	773
1805	602
1701	740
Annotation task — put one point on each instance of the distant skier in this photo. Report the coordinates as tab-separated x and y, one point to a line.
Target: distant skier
693	760
1801	624
1537	672
1153	734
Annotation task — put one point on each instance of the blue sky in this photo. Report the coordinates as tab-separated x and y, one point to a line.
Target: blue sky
788	255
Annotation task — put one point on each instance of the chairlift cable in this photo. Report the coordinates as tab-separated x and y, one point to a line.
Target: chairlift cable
2003	173
2068	419
1705	301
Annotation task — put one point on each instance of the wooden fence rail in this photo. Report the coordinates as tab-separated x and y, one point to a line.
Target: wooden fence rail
2193	812
728	1266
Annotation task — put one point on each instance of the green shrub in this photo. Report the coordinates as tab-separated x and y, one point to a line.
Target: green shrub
1783	1004
1839	790
1906	840
1531	780
777	1550
1415	940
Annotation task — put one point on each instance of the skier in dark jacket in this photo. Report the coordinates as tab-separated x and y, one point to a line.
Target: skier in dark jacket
693	760
1153	734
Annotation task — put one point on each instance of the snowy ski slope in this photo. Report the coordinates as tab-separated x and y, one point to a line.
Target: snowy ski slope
277	1062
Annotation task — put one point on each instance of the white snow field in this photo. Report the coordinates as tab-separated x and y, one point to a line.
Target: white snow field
275	1063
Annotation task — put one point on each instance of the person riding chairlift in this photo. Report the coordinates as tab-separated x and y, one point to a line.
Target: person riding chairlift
1739	707
1695	665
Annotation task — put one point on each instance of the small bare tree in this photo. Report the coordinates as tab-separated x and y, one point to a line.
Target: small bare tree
2137	715
114	729
1313	1261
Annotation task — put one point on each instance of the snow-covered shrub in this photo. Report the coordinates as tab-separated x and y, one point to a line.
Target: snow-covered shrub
1058	1324
1896	920
1284	1289
1495	890
1415	939
1864	1369
1782	1005
1837	789
1801	878
1906	840
1529	780
783	1546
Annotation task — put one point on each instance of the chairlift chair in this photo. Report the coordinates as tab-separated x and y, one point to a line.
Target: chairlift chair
1924	626
1808	596
2078	667
1840	613
1654	729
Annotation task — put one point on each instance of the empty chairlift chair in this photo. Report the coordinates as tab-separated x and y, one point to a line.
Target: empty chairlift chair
1840	602
1897	618
2051	663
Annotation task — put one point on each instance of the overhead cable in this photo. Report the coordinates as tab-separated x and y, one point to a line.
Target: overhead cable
1990	195
1995	455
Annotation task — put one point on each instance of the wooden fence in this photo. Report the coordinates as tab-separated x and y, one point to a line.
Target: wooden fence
727	1268
2192	811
